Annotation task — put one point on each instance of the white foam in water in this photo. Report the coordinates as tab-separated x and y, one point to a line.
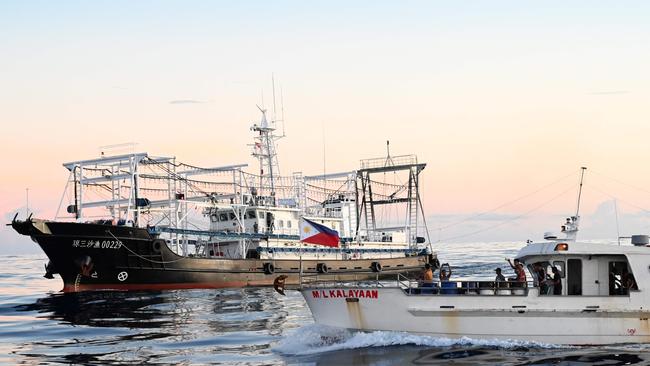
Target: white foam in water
314	338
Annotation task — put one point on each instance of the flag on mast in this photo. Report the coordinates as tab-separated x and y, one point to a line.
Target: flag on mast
313	233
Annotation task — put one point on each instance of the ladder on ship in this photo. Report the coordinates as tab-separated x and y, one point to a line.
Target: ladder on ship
413	199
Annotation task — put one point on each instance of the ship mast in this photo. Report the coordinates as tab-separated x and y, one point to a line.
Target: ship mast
570	227
264	150
582	175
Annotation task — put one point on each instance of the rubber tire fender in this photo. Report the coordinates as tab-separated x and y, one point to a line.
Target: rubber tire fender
156	246
375	266
269	268
321	268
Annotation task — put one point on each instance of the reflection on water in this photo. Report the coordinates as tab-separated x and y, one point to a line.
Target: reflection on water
193	326
40	325
173	326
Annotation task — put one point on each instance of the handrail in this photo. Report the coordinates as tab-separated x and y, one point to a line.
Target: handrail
420	287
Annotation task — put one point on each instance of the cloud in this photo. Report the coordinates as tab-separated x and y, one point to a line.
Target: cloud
610	92
606	222
187	101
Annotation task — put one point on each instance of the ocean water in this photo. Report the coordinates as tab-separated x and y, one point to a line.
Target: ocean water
40	325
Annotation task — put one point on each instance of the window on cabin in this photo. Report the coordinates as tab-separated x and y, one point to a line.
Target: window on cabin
280	224
250	214
289	224
574	277
223	217
621	280
231	216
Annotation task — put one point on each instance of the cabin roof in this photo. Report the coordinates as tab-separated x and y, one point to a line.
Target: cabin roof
577	248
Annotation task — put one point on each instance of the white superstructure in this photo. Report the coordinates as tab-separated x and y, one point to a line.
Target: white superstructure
227	212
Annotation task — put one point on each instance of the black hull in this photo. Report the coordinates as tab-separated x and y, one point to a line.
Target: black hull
105	257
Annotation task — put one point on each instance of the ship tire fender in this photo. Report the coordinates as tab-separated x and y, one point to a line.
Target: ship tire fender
156	246
321	268
269	268
375	266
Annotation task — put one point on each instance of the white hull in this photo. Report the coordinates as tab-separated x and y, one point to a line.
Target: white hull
575	320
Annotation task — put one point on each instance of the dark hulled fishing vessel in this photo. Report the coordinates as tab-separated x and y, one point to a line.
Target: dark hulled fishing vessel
136	221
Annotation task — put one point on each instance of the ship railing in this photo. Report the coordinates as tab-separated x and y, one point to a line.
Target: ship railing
356	279
392	161
463	287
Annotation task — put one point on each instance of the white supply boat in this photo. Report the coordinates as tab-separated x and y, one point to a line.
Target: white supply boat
602	297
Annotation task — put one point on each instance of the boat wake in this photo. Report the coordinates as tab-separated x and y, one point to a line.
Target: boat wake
314	338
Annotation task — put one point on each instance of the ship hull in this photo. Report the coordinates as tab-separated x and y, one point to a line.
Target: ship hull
106	257
571	320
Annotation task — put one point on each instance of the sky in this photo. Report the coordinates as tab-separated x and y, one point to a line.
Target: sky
499	98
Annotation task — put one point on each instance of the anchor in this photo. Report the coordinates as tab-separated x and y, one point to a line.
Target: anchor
49	270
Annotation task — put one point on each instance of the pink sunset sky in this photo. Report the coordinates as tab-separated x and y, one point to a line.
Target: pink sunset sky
499	98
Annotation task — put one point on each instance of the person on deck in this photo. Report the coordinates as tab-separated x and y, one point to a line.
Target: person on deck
499	278
540	278
445	272
627	280
557	281
519	272
427	276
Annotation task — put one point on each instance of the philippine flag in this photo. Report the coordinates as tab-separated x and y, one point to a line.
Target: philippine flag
313	233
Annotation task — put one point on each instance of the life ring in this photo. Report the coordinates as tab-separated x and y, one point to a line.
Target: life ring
375	266
321	268
269	268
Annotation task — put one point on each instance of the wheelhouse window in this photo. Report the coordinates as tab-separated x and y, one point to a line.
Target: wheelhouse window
621	280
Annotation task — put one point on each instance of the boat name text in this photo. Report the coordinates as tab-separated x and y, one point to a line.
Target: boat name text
326	294
96	244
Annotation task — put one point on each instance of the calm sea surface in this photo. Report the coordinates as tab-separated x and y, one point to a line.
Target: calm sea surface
40	325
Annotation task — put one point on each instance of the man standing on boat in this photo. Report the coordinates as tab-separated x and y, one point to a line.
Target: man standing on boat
557	281
539	275
499	276
427	276
519	271
445	272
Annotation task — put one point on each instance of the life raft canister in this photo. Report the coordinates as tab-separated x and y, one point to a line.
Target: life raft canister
321	268
375	266
269	268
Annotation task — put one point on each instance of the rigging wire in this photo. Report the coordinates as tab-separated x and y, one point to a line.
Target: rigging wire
618	199
620	182
510	220
505	204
